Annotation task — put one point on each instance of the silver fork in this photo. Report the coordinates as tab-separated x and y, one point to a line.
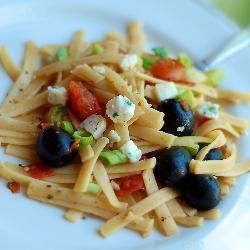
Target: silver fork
237	43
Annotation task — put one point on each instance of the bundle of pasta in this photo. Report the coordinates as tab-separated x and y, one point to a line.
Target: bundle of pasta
129	136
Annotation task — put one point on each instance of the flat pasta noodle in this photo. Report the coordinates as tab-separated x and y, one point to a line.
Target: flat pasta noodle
149	148
194	221
121	175
17	141
214	124
163	215
175	209
72	215
234	96
102	179
11	68
24	78
154	136
28	105
139	209
123	132
131	167
87	168
189	141
229	180
68	65
76	44
62	179
211	214
86	153
213	166
218	141
24	153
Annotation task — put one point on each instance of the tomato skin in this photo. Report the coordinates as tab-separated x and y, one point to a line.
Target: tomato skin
199	120
168	69
129	184
82	101
14	187
39	171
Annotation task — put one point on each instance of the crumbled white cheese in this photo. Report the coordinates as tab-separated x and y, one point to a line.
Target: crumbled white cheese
128	62
99	69
165	91
120	109
180	129
209	110
57	95
131	151
194	75
95	125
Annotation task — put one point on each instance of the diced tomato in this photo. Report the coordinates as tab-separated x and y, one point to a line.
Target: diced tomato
199	120
39	171
169	69
14	187
82	101
129	184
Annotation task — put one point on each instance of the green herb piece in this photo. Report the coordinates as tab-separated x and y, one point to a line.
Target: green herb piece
186	95
68	127
113	157
84	139
62	54
185	60
97	49
215	77
193	150
148	62
161	52
94	188
57	114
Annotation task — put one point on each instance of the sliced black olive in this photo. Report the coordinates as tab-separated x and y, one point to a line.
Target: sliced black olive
213	154
54	146
201	191
179	118
172	165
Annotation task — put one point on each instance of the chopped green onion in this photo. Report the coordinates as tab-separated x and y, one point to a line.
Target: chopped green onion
215	77
113	157
62	54
84	139
68	127
161	52
56	114
148	62
186	95
94	188
185	60
79	134
194	149
97	49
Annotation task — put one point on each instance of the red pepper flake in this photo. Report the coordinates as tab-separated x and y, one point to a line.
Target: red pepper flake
143	158
74	145
184	105
224	151
14	187
43	125
39	171
184	82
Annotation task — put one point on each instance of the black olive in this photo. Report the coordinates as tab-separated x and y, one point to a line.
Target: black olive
172	165
178	119
54	146
214	154
201	191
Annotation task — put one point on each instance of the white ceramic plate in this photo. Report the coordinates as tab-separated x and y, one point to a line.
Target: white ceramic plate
181	25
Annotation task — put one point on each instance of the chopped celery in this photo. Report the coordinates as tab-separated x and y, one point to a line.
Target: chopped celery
84	139
62	54
147	62
78	134
57	114
97	49
113	157
186	95
161	52
94	188
194	149
215	77
68	127
185	60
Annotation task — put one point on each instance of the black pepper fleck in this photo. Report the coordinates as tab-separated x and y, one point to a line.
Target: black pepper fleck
49	197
